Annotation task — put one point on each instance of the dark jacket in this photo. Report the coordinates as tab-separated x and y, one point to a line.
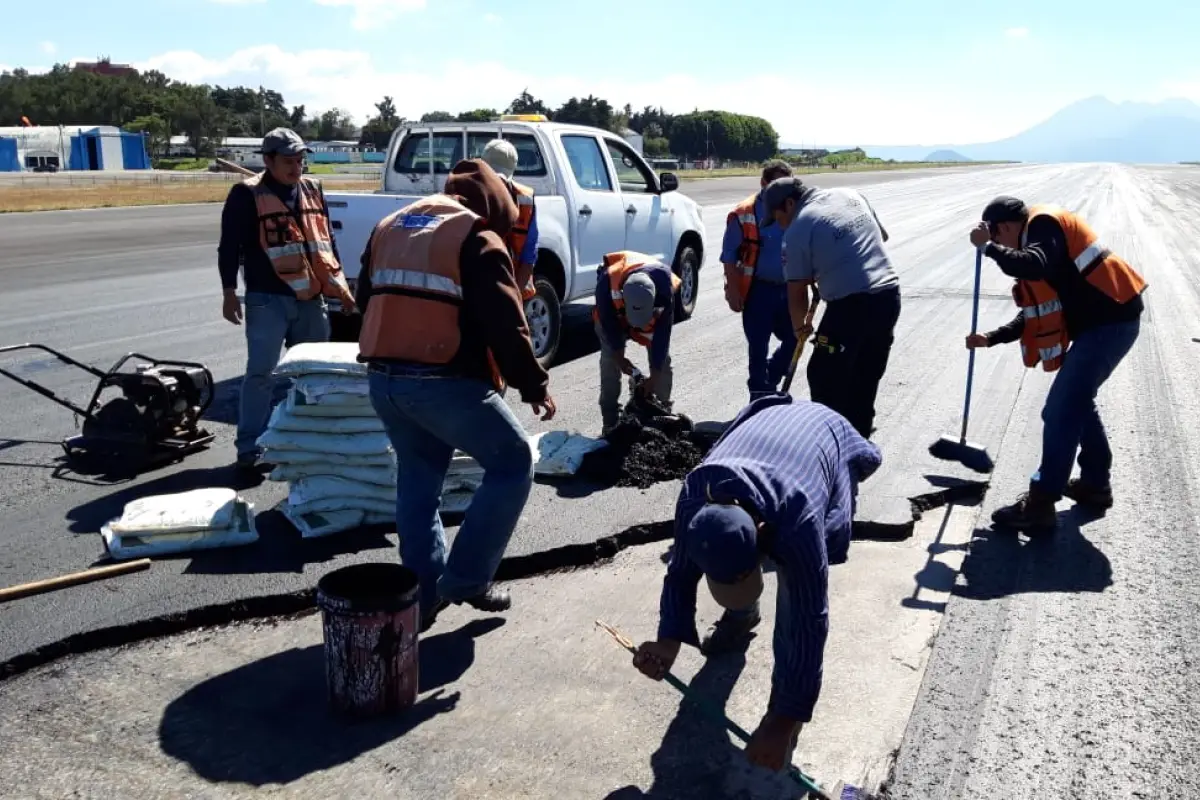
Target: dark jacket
1044	258
492	314
240	240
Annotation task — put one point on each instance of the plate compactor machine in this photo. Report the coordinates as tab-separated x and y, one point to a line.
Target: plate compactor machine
155	417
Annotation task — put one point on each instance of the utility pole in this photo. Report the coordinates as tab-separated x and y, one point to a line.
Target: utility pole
262	111
707	144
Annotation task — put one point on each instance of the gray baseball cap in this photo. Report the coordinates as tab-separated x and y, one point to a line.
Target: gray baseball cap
638	292
779	190
283	142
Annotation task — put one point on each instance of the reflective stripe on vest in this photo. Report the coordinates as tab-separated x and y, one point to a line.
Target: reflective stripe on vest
299	243
1042	309
416	283
743	213
1098	265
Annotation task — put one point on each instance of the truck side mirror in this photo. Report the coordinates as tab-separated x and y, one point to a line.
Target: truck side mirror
669	181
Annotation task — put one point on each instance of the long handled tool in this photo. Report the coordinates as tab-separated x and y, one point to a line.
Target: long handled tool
50	584
791	373
948	448
841	792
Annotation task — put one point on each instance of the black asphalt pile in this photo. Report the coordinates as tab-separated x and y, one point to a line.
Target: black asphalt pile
640	455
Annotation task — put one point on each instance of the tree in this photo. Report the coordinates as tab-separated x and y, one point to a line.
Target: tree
437	116
378	129
156	131
656	146
589	111
724	135
525	103
334	124
478	115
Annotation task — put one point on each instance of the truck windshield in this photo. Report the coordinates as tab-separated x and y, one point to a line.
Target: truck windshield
448	151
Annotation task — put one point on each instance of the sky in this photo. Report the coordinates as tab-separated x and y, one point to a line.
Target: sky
871	72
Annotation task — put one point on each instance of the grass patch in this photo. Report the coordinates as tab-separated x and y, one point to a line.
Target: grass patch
183	164
18	197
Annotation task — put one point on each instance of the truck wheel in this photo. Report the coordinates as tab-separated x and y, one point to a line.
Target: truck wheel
543	313
687	267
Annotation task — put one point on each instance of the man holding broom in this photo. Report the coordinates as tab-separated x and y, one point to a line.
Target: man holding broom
781	483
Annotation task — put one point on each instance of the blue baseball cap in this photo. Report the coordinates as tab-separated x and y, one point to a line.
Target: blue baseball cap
723	542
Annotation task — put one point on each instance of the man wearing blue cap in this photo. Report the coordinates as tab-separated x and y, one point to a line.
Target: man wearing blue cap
780	483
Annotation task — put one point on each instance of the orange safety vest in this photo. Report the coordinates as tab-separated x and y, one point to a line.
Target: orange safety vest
1045	336
299	245
620	265
523	195
416	283
743	214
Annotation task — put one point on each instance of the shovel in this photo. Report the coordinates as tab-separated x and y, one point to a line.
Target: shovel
791	373
948	448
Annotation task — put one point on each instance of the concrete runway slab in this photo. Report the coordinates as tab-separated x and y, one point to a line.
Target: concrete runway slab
1120	624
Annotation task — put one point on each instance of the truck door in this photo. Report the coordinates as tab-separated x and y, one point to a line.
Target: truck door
647	223
600	226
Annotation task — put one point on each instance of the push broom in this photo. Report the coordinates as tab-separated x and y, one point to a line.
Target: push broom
948	448
810	786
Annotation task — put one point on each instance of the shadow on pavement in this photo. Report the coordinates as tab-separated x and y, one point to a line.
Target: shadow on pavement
691	761
1000	563
578	338
268	722
446	657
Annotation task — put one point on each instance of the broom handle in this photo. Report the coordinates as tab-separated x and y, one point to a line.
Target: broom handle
974	325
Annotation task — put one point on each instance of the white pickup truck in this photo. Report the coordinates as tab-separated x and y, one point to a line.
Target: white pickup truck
594	195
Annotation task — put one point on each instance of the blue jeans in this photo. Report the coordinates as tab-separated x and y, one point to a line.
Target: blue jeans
271	321
765	314
1072	422
427	417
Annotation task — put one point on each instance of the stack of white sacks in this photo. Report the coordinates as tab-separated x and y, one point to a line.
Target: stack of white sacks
201	519
329	445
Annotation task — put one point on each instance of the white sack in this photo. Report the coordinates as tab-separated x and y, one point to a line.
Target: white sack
348	503
561	452
197	510
242	531
334	404
322	358
283	420
332	460
323	523
317	388
349	444
378	475
321	487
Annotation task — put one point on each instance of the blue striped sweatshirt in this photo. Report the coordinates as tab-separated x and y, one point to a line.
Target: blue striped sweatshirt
799	465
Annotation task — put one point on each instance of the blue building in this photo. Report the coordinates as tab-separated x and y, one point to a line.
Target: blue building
72	147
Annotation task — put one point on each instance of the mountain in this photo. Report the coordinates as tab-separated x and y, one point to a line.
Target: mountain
945	156
1092	129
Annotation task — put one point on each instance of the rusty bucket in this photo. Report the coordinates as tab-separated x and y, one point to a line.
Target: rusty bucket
370	617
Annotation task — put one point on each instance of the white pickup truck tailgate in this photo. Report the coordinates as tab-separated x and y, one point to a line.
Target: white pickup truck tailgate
354	216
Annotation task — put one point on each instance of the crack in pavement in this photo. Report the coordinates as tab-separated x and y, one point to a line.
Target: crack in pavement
547	562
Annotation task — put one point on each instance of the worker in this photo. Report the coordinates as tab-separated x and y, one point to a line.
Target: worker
1073	292
752	254
833	242
443	332
780	483
522	240
635	299
275	226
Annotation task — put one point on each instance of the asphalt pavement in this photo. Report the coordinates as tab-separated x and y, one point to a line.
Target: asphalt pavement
1035	635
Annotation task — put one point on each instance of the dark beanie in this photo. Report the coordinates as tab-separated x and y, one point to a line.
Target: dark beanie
1005	209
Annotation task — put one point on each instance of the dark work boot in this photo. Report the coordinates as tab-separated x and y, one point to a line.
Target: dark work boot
731	633
492	599
1033	512
1085	494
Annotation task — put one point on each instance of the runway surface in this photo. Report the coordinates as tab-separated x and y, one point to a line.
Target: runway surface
1066	667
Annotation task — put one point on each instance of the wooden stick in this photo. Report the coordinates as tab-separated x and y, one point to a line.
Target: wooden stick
62	581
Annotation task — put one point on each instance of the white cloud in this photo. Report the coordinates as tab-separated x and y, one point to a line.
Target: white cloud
369	14
49	48
1017	33
237	2
491	19
814	113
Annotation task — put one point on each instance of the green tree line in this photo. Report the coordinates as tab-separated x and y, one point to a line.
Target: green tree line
153	103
